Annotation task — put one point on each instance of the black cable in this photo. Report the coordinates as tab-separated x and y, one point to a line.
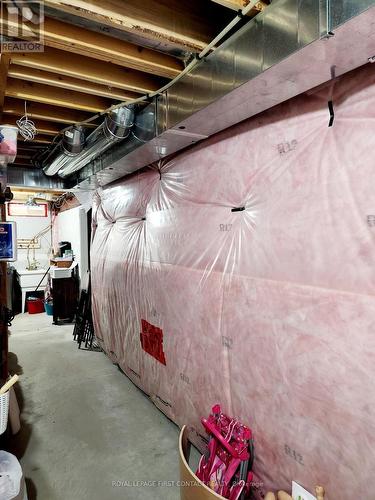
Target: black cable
6	316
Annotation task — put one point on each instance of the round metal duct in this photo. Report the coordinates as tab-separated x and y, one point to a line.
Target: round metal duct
73	141
144	127
118	123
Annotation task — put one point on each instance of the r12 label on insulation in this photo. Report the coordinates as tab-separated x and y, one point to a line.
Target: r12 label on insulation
225	227
371	220
293	454
287	147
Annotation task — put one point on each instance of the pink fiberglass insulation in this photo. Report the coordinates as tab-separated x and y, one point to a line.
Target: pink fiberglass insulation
269	310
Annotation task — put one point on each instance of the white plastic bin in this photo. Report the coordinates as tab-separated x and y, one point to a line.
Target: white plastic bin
8	144
10	476
4	411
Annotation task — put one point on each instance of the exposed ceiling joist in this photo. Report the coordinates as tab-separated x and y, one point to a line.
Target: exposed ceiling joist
42	139
22	163
189	25
23	147
46	94
67	82
31	191
240	4
87	43
98	53
43	112
23	157
87	68
4	66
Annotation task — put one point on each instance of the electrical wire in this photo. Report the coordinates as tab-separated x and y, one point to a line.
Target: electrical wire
26	127
62	200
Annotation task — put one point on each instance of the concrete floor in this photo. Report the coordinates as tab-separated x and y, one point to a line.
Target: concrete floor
84	424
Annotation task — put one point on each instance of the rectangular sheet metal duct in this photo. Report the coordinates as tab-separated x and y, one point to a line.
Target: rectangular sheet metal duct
33	177
289	48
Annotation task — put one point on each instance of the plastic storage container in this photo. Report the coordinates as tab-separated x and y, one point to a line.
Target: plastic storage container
61	272
8	144
35	305
4	411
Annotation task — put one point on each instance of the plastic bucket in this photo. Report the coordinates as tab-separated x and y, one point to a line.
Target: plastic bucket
48	308
34	305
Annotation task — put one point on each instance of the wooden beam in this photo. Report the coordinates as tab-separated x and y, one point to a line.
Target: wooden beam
42	111
31	152
22	164
4	65
42	139
22	160
47	128
28	147
87	43
87	68
30	191
57	97
23	157
240	4
67	82
188	25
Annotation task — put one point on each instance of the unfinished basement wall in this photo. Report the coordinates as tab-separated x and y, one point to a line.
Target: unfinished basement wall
71	225
29	225
242	272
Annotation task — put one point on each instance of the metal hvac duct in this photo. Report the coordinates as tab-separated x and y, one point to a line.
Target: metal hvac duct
73	141
77	152
71	144
289	48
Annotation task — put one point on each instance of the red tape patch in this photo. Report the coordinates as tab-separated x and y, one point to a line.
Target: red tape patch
152	341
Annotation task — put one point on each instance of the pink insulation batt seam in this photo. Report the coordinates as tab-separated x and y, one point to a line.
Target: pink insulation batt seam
270	310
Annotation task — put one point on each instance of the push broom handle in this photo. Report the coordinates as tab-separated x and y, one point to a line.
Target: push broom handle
9	384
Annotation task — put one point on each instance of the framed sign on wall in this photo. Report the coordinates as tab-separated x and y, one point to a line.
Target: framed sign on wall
8	241
22	210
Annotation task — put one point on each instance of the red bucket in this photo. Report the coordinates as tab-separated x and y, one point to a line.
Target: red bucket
34	305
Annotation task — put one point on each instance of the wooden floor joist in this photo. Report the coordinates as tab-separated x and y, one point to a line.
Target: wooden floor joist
22	157
67	82
44	112
42	139
240	4
100	53
22	164
87	43
188	25
102	47
4	66
87	68
46	94
24	147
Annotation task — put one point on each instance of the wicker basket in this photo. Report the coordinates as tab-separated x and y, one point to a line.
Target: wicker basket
4	411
